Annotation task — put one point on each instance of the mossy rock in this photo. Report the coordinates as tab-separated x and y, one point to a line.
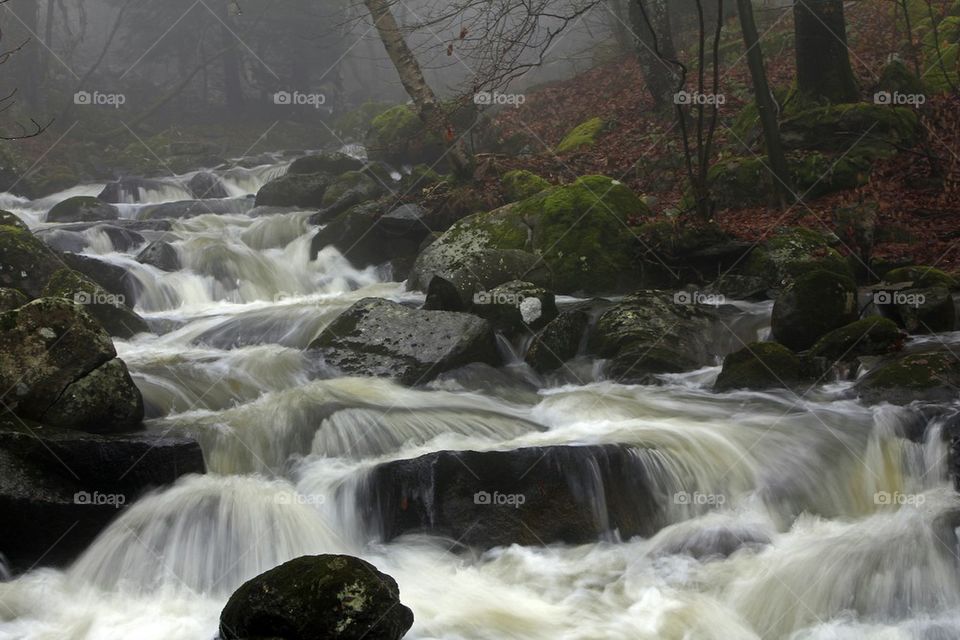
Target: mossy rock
8	219
516	307
354	184
837	127
583	135
398	136
932	376
328	596
420	177
83	209
332	164
296	190
11	299
521	184
868	337
792	253
897	78
26	263
921	277
105	400
923	310
759	366
558	342
108	309
354	124
814	305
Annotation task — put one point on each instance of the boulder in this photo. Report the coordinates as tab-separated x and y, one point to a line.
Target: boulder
294	190
813	306
47	349
649	333
193	208
579	231
83	209
329	596
559	341
535	496
398	136
206	185
516	307
26	263
332	164
381	338
918	299
344	192
8	219
60	488
130	190
761	365
121	238
110	310
11	299
872	336
62	240
673	255
582	136
788	255
521	184
442	295
112	277
160	254
929	376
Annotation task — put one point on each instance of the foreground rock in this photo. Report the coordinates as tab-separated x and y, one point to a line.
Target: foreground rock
83	209
59	489
814	305
26	263
516	307
110	310
59	368
761	365
873	336
377	337
530	496
930	376
559	341
112	277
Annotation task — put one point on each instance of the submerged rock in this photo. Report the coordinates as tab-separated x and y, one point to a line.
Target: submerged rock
60	488
206	185
535	496
83	209
130	190
816	304
381	338
930	376
332	597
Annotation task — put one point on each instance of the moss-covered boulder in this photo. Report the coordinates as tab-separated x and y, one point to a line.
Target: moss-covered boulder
8	219
331	597
83	209
332	164
356	186
816	304
398	136
558	342
380	338
872	336
582	136
110	310
26	263
921	277
784	257
49	348
761	365
516	307
932	376
294	190
919	299
649	333
579	231
521	184
838	127
420	177
11	299
112	277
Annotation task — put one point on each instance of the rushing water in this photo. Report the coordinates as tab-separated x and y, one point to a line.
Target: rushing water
782	534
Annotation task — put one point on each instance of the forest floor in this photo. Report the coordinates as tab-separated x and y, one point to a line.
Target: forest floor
919	217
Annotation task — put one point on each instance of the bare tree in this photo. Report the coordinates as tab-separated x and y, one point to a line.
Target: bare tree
823	58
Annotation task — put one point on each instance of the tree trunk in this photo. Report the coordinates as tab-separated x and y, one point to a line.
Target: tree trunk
28	79
411	76
48	34
765	103
655	50
823	60
232	87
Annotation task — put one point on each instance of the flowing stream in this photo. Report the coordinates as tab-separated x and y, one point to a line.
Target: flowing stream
789	485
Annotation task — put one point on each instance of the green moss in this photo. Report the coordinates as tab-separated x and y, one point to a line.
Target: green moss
354	124
867	337
897	78
520	184
346	182
396	123
814	305
8	219
838	127
917	371
761	365
921	277
583	135
795	252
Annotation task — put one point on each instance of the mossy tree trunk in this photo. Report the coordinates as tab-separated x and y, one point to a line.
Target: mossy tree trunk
823	58
415	84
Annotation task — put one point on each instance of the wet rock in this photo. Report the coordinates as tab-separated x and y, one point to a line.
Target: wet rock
11	299
26	263
8	219
83	209
649	333
333	164
381	338
60	488
113	278
130	190
206	185
121	238
918	299
814	305
110	310
47	348
873	336
759	366
442	295
535	496
559	341
294	190
160	254
929	376
329	596
516	307
193	208
788	255
62	240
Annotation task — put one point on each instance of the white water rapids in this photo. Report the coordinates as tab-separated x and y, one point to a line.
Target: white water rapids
791	484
